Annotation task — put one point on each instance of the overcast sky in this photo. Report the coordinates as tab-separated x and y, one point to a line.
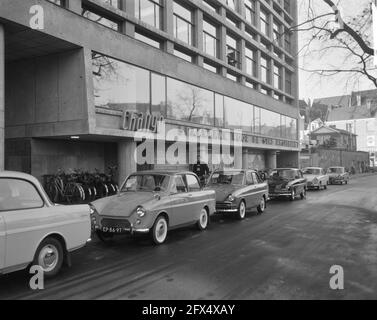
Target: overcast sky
312	86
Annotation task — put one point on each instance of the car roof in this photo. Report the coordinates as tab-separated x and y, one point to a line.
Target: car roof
286	169
336	167
18	175
234	170
312	168
163	172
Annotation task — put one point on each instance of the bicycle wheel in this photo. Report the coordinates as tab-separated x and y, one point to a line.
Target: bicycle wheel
73	194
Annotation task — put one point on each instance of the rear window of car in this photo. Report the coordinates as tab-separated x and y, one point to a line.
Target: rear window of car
17	194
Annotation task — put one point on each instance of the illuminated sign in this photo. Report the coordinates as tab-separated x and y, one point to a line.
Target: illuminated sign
140	121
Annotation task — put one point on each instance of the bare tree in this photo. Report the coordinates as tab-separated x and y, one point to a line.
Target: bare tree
332	34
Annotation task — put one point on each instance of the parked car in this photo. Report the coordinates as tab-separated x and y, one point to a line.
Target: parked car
238	191
338	175
287	182
35	231
317	178
153	202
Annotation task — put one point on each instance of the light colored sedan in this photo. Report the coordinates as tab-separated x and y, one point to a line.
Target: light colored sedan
153	202
35	231
317	178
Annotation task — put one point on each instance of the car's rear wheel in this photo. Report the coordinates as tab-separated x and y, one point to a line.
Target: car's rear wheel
293	195
325	187
203	220
160	230
105	237
262	205
241	214
49	256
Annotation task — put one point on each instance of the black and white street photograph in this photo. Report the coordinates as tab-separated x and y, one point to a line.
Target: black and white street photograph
209	152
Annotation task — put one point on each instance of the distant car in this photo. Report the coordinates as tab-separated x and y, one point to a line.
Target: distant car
33	230
153	202
316	178
238	191
287	182
338	175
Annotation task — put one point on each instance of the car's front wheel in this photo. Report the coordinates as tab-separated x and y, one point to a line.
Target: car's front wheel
241	214
49	256
262	205
160	230
293	195
303	194
203	220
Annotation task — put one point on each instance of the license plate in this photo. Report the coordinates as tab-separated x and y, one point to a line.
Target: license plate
113	230
278	187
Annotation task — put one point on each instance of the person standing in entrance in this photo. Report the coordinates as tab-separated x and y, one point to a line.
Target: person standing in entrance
201	170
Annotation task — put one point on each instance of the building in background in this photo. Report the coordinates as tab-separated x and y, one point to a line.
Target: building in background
73	87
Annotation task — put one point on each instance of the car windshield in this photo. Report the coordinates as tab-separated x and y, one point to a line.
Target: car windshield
312	171
336	170
285	174
227	177
146	182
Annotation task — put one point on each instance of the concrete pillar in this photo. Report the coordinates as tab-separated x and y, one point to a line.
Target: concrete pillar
128	6
222	42
245	159
75	6
2	96
168	24
271	160
126	159
199	35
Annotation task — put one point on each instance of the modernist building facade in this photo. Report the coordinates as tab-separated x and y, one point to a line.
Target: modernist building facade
79	77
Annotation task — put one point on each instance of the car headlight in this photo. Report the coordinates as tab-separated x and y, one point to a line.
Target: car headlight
93	213
230	198
141	212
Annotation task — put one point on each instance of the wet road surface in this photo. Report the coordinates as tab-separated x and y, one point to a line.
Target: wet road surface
284	254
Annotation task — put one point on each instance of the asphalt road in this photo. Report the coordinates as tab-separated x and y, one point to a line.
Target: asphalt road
284	254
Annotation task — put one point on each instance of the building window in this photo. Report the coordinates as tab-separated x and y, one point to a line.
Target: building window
158	96
231	4
183	23
100	18
178	53
219	110
287	40
150	12
114	3
210	6
250	11
270	123
232	77
288	82
238	114
209	67
251	63
277	33
210	41
120	86
264	23
277	77
233	55
189	103
287	6
58	2
265	70
147	39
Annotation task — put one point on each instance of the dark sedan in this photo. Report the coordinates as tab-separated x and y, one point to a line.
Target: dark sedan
287	182
238	191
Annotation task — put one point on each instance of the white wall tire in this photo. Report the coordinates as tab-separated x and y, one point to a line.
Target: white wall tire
293	195
49	256
262	206
241	214
203	221
160	230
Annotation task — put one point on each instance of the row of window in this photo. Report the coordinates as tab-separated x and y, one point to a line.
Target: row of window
121	86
